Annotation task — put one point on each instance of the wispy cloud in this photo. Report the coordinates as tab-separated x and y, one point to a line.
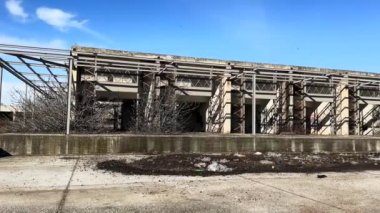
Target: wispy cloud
54	43
59	19
14	8
64	21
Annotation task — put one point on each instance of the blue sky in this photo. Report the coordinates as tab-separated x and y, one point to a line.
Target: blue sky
341	34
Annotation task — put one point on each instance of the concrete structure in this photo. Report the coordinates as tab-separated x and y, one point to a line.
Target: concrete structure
288	99
233	96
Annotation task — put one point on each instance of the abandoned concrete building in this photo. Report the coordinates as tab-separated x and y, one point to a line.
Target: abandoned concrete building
231	96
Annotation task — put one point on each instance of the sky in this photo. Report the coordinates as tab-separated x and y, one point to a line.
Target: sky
341	34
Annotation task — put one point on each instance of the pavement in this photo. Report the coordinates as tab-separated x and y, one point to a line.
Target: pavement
72	184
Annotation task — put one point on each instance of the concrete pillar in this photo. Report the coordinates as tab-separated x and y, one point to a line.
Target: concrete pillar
286	104
342	108
238	106
299	109
218	114
354	111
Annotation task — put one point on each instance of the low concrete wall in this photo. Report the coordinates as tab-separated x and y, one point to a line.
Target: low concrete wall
117	144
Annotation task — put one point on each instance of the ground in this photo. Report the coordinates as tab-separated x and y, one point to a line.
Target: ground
67	184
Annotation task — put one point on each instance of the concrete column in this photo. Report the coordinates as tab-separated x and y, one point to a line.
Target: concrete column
218	113
226	105
333	107
342	108
286	107
355	118
238	106
278	105
299	109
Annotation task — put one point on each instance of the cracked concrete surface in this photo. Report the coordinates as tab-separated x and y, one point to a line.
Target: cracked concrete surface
53	184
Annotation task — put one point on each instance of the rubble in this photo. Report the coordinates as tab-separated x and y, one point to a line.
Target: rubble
217	167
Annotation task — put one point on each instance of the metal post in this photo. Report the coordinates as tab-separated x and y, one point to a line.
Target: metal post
254	103
1	84
26	100
333	106
357	109
69	97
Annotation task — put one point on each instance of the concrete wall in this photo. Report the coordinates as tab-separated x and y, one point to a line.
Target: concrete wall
24	145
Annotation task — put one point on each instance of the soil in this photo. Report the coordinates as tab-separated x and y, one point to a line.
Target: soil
200	165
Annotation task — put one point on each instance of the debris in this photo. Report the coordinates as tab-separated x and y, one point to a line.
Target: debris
216	167
321	176
258	153
266	162
206	159
273	154
224	161
239	155
200	165
354	163
208	165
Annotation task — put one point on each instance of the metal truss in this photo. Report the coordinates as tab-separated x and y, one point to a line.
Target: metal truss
194	81
43	69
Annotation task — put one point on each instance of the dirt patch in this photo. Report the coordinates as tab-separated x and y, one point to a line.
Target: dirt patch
206	165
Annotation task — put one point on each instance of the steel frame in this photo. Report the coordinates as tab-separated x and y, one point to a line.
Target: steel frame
31	58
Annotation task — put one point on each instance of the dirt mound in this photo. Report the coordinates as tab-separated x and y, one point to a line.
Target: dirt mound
206	165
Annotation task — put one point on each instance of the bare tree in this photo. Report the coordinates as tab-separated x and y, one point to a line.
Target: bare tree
48	113
90	114
161	112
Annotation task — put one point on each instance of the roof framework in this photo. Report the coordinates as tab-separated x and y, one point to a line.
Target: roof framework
113	61
43	69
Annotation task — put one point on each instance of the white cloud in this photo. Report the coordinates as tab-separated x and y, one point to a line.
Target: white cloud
63	21
59	19
54	43
14	7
